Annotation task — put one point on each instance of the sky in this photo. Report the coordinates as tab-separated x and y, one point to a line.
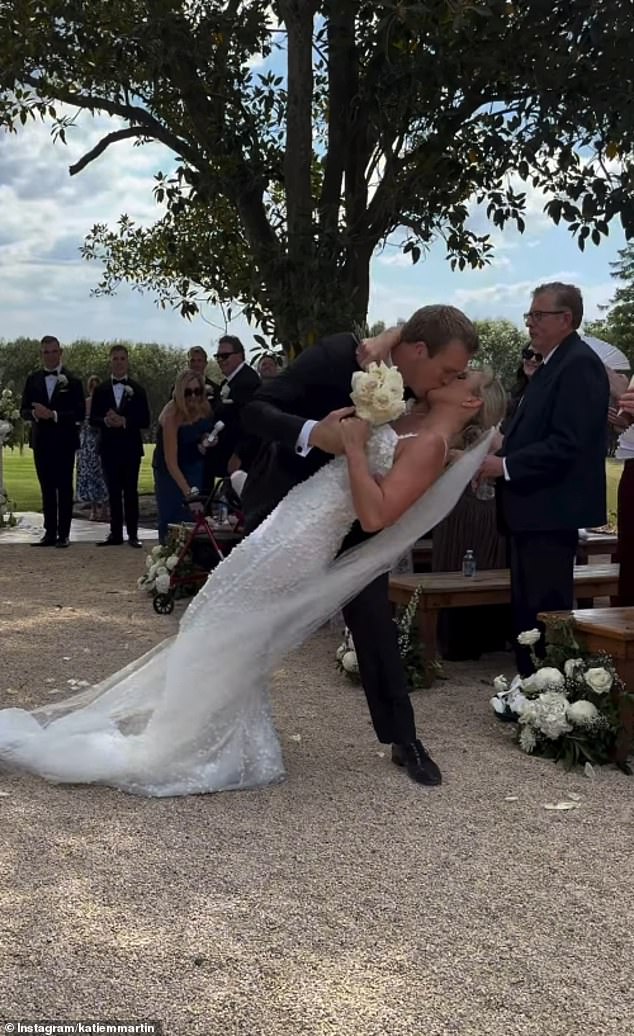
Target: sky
45	285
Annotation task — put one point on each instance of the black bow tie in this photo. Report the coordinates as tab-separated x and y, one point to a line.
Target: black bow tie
51	374
119	381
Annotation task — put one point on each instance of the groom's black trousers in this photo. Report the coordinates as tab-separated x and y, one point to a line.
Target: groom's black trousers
369	618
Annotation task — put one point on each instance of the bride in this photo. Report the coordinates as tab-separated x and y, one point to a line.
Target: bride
192	715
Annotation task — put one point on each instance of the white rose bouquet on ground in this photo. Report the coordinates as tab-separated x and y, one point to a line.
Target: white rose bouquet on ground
161	562
377	394
568	711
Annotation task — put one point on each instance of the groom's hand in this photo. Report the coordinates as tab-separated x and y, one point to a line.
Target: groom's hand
327	434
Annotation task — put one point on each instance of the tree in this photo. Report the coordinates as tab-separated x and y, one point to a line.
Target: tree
501	344
617	327
389	116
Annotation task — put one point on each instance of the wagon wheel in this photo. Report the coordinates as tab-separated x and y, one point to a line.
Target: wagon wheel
163	604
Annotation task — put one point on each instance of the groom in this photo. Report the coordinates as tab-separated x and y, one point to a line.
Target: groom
294	415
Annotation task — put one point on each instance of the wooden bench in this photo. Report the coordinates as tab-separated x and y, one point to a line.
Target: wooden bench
453	590
610	630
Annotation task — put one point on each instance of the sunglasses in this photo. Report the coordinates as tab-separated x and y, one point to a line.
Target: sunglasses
530	354
223	356
188	393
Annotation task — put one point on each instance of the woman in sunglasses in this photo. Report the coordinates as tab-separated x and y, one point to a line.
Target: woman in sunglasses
178	460
530	363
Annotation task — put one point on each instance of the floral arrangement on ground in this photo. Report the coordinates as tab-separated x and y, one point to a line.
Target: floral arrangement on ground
10	435
161	562
568	710
420	672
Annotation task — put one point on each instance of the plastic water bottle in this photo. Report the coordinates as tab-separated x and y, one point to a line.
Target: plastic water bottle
469	564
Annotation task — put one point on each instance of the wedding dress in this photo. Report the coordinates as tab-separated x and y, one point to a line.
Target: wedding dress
192	715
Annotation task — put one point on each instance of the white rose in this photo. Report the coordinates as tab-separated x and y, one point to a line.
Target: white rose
162	582
152	571
341	651
171	562
599	680
583	713
156	551
500	684
548	678
571	666
551	715
377	393
349	662
529	638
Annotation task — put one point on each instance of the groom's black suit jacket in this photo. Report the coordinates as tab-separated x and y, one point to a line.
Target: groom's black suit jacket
317	382
555	445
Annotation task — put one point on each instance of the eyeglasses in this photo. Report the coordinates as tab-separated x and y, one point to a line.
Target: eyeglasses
188	393
539	314
223	356
530	354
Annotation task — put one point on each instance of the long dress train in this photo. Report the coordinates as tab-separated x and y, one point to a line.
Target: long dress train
192	715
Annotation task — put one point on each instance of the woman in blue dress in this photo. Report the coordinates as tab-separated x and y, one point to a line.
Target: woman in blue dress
184	423
91	486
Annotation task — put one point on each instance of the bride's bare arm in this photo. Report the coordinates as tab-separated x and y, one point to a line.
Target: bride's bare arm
380	504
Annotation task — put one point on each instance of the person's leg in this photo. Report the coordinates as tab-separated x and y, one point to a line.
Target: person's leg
112	475
45	470
625	520
130	482
65	494
542	580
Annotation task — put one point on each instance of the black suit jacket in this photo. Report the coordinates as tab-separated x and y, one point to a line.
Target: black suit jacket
134	407
555	445
318	382
228	406
67	399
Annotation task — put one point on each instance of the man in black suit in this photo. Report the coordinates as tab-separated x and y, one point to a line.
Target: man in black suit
294	414
120	411
53	400
233	449
551	466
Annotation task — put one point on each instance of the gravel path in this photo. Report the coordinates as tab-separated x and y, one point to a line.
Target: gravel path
345	901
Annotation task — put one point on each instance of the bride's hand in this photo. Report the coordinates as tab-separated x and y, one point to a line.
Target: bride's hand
379	348
355	433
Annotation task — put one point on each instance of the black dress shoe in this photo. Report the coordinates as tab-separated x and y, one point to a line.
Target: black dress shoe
110	541
63	543
418	763
46	541
133	542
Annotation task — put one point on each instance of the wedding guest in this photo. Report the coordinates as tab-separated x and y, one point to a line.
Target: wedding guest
91	485
197	360
234	450
529	364
178	461
53	400
621	417
467	633
551	465
269	366
120	412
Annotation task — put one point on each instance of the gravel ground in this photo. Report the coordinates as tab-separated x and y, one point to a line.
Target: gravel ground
346	900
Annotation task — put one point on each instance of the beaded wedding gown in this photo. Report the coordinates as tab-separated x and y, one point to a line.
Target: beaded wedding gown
192	715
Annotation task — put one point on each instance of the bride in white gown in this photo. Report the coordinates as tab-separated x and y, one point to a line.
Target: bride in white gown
193	715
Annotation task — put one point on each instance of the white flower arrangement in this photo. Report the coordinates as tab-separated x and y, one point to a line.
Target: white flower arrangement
10	421
128	391
567	711
377	393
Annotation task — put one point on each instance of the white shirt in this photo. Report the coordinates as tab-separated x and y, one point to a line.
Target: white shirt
51	381
118	391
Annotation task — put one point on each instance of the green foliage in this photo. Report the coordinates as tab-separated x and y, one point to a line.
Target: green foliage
389	117
501	344
617	327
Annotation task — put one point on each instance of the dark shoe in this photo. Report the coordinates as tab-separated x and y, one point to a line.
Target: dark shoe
418	763
46	541
109	541
135	543
63	543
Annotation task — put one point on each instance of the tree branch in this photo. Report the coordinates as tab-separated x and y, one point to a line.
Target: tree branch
98	149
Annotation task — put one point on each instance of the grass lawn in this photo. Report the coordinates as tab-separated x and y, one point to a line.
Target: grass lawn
22	486
24	492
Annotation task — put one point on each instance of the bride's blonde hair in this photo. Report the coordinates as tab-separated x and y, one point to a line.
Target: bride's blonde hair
494	403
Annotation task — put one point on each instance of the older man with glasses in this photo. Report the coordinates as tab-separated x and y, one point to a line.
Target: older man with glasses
551	465
233	449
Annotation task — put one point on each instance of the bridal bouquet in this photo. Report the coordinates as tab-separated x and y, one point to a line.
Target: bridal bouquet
566	711
377	393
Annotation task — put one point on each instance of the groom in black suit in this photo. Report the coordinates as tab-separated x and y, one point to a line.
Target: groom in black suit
53	400
551	467
294	414
120	411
